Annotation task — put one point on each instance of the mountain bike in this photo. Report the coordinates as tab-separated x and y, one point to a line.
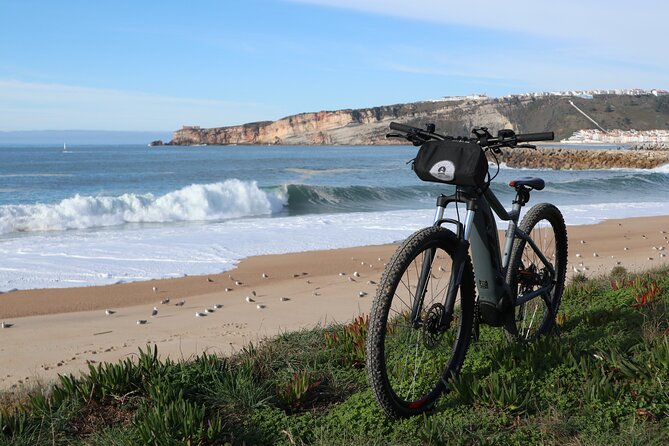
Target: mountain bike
433	294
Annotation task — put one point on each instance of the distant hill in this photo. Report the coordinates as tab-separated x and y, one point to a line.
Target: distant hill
456	117
80	137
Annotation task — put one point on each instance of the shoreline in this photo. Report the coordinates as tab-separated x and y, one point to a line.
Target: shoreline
56	331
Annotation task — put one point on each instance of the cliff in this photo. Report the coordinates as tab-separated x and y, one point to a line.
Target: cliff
370	125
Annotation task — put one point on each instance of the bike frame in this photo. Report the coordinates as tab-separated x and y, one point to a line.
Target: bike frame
479	231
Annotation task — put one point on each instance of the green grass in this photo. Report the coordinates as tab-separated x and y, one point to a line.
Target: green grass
604	380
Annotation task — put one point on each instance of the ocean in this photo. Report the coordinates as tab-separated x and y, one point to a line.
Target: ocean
102	214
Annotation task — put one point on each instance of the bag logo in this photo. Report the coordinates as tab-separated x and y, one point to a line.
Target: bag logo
443	171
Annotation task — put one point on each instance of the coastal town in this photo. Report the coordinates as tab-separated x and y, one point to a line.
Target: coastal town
617	136
583	94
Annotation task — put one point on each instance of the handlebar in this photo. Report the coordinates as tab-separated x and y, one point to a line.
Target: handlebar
505	138
414	134
402	128
543	136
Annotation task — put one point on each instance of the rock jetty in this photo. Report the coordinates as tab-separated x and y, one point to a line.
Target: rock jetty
581	159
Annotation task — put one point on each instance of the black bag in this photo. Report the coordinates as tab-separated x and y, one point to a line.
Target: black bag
451	162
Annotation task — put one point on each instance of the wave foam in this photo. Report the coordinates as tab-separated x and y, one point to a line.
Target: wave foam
197	202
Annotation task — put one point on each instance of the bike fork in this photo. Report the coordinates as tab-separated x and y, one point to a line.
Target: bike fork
458	269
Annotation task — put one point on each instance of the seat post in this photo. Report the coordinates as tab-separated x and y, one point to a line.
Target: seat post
522	197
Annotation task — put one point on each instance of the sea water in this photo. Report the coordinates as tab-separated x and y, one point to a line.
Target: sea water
106	214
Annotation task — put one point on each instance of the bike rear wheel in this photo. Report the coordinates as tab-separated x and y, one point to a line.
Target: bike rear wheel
545	226
408	364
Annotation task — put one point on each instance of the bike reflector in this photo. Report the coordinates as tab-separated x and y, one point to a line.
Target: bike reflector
451	162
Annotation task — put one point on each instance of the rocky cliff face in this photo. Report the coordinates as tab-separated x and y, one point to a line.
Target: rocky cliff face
370	125
352	127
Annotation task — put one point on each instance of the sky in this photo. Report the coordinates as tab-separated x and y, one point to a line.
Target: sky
158	65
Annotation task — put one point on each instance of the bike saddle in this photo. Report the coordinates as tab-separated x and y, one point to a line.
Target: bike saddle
531	182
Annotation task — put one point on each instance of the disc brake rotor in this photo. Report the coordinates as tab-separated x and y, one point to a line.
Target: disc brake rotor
432	329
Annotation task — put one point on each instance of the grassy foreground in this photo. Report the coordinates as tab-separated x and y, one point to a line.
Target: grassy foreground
603	381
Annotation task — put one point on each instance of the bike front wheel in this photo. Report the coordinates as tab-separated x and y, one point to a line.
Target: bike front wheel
527	272
410	358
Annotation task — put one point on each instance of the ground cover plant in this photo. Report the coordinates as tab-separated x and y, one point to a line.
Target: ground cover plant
603	380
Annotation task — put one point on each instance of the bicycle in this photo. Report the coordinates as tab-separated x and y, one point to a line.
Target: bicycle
426	311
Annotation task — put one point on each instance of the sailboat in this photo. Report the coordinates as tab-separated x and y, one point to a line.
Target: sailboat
65	148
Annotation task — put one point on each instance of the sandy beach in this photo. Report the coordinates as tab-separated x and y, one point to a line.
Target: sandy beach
55	331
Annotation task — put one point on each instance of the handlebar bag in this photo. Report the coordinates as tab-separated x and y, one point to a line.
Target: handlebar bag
451	162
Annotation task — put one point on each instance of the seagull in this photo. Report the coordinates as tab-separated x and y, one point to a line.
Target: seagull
351	279
264	276
165	301
371	282
582	242
260	306
249	299
594	254
441	268
662	254
650	258
626	248
356	274
362	294
362	263
154	312
209	310
109	312
316	293
254	293
380	259
238	283
308	281
227	290
284	299
155	289
342	274
575	270
579	255
209	279
198	314
180	303
6	325
141	322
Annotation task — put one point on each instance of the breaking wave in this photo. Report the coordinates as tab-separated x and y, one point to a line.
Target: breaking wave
197	202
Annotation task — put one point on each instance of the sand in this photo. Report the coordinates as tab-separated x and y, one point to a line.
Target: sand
56	331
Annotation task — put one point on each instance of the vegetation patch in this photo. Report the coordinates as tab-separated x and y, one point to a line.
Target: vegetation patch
602	380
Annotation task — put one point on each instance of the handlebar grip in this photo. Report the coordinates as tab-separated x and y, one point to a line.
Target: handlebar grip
543	136
401	127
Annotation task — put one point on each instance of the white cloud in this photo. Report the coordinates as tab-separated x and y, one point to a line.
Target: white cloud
30	106
620	30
